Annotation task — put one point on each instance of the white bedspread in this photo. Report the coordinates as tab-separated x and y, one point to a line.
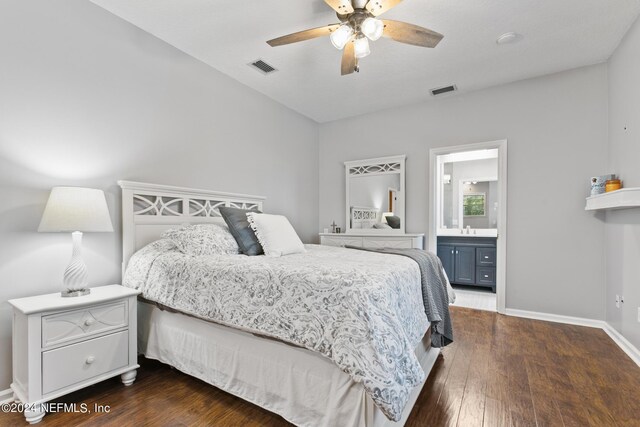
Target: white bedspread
362	310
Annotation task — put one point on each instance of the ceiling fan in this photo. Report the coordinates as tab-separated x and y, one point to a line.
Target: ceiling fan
359	24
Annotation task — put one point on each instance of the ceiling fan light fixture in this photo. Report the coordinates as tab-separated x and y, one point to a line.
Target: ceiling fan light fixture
372	28
341	36
361	47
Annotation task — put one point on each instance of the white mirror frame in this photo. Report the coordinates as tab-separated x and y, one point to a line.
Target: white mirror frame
370	167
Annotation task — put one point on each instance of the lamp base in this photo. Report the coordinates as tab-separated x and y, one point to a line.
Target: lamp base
74	281
75	293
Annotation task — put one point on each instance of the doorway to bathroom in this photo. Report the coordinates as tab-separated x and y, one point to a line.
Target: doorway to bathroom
467	220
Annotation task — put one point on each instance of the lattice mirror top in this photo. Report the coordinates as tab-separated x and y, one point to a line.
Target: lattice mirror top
394	167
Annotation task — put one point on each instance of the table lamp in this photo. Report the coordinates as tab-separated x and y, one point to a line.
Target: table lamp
76	210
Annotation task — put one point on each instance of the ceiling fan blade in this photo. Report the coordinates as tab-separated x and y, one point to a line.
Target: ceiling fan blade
348	58
378	7
411	34
303	35
342	7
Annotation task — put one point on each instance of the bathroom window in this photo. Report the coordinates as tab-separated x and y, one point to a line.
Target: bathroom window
474	204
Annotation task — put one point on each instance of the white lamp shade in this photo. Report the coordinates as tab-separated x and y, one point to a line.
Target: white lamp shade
76	209
341	36
362	47
372	28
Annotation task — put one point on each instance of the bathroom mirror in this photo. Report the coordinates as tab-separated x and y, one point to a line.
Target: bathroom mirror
375	195
468	191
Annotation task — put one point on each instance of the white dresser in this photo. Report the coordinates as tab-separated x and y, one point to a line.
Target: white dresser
63	344
374	241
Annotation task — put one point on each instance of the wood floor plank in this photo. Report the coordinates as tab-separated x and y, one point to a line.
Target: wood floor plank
500	372
496	413
545	407
473	400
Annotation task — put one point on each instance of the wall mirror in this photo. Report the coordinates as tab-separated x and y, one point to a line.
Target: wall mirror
375	195
468	192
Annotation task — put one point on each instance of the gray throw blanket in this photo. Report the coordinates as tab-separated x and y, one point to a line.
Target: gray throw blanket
435	295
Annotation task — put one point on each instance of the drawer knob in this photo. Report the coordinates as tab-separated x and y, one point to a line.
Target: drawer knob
89	322
486	257
486	276
90	360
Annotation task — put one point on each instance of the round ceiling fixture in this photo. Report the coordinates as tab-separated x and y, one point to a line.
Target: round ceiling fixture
508	38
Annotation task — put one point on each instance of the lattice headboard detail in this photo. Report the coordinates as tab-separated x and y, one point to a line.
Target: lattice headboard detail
150	209
362	217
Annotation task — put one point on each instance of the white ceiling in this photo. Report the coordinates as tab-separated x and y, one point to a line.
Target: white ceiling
229	34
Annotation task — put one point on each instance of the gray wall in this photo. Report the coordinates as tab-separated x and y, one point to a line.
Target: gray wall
87	99
557	131
623	227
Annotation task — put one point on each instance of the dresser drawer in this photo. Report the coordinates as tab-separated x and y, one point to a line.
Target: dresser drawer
83	323
341	241
378	242
486	276
75	363
486	257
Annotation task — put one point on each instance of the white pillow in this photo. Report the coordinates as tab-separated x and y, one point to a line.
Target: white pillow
275	234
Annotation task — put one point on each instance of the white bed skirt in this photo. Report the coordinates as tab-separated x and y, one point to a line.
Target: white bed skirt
303	387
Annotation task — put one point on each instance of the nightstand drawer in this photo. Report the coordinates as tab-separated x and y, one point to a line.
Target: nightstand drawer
75	363
83	323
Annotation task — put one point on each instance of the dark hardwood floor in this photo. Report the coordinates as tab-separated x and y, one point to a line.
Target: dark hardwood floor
501	371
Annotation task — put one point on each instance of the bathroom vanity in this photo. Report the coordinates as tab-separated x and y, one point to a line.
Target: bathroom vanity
469	259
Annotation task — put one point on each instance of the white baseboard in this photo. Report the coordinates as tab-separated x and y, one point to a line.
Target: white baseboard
580	321
6	396
616	336
623	343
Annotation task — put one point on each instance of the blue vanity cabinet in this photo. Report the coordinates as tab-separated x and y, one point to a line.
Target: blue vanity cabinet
469	260
465	266
446	253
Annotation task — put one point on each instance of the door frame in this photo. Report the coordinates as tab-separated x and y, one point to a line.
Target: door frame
434	208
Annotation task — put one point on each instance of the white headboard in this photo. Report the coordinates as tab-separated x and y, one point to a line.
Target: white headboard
150	209
362	217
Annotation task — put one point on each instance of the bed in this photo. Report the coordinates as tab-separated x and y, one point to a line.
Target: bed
284	372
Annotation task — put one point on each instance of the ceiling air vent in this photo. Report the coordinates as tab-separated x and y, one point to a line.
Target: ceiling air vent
263	67
443	90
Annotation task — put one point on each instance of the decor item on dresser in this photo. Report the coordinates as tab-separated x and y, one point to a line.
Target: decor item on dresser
76	210
239	227
259	297
275	234
469	260
61	345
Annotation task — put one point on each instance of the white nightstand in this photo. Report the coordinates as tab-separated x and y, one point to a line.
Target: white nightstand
64	344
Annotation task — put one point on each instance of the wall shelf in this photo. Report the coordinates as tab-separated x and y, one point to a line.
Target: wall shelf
624	198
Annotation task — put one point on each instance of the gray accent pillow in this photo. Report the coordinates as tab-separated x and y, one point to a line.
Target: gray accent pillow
393	221
239	227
